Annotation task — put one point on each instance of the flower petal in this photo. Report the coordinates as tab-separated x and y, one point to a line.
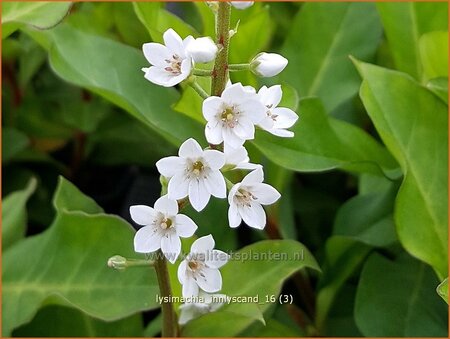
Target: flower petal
170	166
281	133
217	259
203	245
254	177
178	187
213	132
161	77
181	272
190	149
198	194
254	216
156	54
171	245
231	139
166	206
215	159
285	117
147	239
265	194
271	96
173	42
235	94
211	107
215	184
232	193
142	215
209	279
190	288
234	218
245	129
253	110
185	226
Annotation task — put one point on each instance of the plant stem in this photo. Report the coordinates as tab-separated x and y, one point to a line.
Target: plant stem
202	72
200	91
170	325
238	67
220	71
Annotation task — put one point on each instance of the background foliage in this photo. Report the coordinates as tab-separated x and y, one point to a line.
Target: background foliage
364	181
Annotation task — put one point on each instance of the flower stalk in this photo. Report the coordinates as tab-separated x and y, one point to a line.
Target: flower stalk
238	67
196	87
220	71
170	324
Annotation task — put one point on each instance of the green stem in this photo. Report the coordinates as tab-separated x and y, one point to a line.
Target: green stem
120	263
220	71
238	67
202	72
170	325
194	84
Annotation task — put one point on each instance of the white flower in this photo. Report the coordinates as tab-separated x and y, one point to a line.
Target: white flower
171	63
232	117
163	227
277	119
194	173
242	4
268	64
207	303
238	158
202	49
200	269
246	198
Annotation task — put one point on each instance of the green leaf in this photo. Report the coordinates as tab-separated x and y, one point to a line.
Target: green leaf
14	216
157	20
404	23
342	257
67	266
40	15
154	327
60	321
396	299
323	143
368	218
319	42
79	58
442	290
414	128
433	49
13	142
262	267
439	86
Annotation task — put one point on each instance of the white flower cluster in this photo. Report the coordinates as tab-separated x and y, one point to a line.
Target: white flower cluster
196	174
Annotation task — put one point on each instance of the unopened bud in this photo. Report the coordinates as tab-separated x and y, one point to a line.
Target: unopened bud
268	64
242	4
117	262
202	50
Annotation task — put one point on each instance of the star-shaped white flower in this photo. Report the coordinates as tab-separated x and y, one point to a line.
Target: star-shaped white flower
276	119
246	198
232	116
163	227
237	158
194	173
200	269
171	63
209	303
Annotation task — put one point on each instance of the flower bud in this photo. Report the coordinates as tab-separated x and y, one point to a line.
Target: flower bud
242	4
268	64
117	262
202	49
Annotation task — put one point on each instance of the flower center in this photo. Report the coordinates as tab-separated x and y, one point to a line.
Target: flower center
244	197
174	65
197	168
166	223
269	113
193	265
229	117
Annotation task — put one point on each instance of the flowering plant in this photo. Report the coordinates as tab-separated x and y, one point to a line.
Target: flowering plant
224	168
